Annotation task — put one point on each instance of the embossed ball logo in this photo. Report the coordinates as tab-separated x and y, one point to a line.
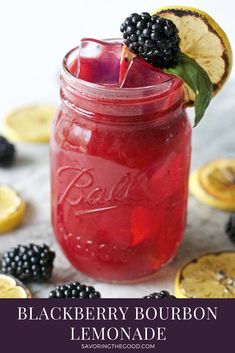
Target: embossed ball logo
84	195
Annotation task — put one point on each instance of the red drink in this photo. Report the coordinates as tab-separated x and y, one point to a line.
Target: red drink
119	171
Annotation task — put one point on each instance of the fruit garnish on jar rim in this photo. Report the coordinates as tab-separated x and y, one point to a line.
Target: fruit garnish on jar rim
185	42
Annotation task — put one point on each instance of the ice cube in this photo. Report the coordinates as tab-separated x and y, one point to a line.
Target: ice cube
141	74
126	59
99	61
73	67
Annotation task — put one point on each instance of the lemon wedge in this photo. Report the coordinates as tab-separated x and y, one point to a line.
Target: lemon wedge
12	288
29	124
12	208
209	276
203	40
214	184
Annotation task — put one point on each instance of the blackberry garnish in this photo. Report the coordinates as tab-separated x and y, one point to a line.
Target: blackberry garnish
230	227
153	38
7	152
160	295
29	262
74	290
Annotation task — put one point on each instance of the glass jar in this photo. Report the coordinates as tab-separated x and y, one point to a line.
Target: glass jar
119	176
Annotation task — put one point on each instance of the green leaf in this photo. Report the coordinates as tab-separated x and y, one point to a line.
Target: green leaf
198	80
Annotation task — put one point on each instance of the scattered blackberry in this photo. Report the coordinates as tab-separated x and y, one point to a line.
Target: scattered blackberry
74	290
230	227
153	38
7	152
29	262
160	295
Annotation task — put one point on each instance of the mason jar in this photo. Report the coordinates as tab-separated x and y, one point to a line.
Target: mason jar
119	175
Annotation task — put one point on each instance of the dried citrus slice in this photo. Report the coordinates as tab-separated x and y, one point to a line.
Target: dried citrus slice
214	184
12	288
209	276
203	40
218	179
29	124
12	208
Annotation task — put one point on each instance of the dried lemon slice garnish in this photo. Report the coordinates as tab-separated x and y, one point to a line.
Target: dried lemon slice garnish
12	208
209	276
203	40
214	184
29	124
12	288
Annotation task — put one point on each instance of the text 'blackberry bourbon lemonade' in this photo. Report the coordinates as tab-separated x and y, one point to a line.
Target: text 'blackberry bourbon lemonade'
120	152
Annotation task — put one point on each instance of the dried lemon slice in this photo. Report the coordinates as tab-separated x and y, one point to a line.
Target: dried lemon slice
12	208
209	276
12	288
218	179
203	40
214	184
29	124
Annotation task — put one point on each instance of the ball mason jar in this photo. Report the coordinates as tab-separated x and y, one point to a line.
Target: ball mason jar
119	175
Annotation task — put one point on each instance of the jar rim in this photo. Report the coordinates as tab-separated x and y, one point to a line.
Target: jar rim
163	87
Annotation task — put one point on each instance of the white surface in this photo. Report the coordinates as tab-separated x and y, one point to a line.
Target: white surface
34	37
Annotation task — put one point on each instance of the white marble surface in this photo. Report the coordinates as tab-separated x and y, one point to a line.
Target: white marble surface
36	36
214	138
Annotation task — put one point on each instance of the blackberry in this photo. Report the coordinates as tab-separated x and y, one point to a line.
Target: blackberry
7	152
160	295
230	227
74	290
29	262
153	38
